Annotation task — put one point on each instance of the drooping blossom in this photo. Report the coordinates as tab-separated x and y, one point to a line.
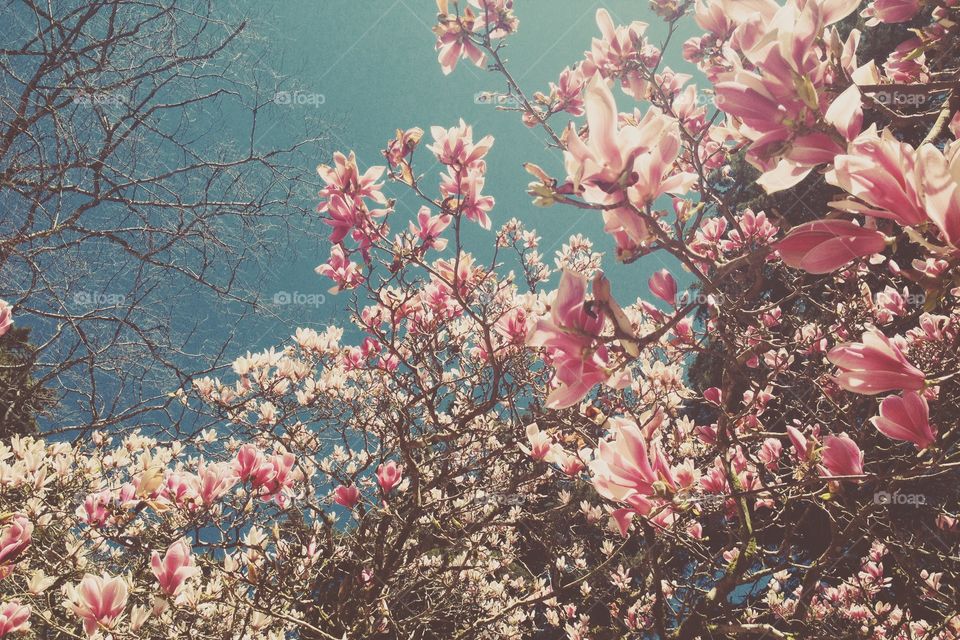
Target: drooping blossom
874	365
663	286
823	246
346	496
98	600
174	568
14	618
906	417
6	317
571	337
15	537
403	145
842	456
389	475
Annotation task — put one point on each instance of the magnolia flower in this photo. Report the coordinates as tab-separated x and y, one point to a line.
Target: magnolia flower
429	228
629	164
663	286
174	568
842	456
339	268
890	11
541	444
389	476
214	481
15	537
940	177
874	365
98	600
823	246
571	336
453	39
882	174
6	317
455	147
346	496
14	618
622	471
906	417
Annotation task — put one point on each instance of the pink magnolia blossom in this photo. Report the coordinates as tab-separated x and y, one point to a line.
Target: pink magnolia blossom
94	510
346	496
776	98
6	317
906	417
842	456
663	286
455	147
453	38
402	145
622	472
339	268
175	568
343	195
14	618
890	11
874	366
389	476
770	453
98	600
940	177
882	173
214	481
571	337
541	444
646	151
466	185
429	228
15	537
823	246
799	441
271	477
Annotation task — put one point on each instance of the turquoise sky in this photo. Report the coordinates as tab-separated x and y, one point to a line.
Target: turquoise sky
373	62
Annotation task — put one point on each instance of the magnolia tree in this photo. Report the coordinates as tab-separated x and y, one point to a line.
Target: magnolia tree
513	449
